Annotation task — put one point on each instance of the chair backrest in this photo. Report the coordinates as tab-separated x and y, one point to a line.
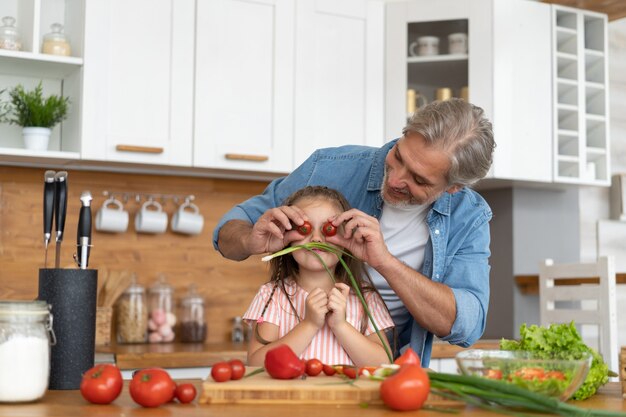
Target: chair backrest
590	302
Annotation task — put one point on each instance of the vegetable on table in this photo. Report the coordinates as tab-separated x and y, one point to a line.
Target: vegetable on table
282	363
101	384
408	357
314	367
561	341
185	393
407	389
238	369
221	372
152	387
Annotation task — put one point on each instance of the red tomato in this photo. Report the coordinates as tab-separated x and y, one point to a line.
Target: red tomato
305	229
329	370
329	229
350	371
407	389
314	367
101	384
185	393
530	373
493	374
221	372
238	369
152	387
408	357
555	375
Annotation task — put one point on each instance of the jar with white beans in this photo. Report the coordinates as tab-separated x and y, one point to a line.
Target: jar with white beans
161	318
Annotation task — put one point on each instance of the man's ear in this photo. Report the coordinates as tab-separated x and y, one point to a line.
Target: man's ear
454	188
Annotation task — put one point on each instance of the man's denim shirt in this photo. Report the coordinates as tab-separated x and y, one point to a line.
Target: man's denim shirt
457	252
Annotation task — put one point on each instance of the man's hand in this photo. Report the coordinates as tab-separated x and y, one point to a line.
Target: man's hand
361	235
273	230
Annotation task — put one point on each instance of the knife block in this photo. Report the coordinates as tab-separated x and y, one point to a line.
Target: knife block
72	294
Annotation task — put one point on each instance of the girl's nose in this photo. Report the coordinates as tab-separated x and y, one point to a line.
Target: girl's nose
316	235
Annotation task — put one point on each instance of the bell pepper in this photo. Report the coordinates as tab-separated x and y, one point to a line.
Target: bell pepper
282	363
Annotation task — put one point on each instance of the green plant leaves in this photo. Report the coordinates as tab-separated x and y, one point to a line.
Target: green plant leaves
31	109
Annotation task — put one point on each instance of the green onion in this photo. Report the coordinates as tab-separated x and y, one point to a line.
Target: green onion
338	252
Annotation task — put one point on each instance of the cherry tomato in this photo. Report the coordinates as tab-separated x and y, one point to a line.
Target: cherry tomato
350	371
185	393
530	373
407	389
493	374
555	375
314	367
329	229
152	387
221	372
305	229
329	370
101	384
367	370
408	357
238	369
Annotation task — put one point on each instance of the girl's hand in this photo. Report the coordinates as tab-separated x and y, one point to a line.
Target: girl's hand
316	307
337	301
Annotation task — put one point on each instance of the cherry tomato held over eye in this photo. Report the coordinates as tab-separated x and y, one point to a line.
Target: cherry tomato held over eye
305	229
101	384
407	389
221	372
314	367
238	369
329	229
185	393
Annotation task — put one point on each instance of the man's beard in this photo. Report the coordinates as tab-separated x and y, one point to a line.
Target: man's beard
411	201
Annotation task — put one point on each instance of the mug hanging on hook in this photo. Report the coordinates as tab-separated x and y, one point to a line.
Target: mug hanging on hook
112	219
187	219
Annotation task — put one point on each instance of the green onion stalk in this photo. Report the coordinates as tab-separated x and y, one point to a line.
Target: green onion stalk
338	252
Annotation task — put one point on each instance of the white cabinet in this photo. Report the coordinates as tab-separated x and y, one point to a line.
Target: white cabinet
339	95
580	92
60	75
138	81
507	72
244	85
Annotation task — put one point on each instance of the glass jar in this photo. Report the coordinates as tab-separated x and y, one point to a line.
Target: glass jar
193	327
132	314
9	36
25	338
162	318
237	333
56	42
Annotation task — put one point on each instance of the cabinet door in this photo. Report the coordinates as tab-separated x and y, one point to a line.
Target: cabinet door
339	75
244	85
138	81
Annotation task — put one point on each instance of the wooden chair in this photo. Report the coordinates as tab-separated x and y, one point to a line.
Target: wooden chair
584	293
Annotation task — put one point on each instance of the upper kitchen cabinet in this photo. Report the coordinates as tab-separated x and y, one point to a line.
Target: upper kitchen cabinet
506	70
580	92
244	105
138	81
23	61
339	96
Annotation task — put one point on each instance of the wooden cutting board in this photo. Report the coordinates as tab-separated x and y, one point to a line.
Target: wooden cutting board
321	389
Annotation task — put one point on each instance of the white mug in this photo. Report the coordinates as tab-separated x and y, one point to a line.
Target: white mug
188	222
112	219
151	220
424	46
457	43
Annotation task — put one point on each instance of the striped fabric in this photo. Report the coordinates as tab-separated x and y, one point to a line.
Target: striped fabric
324	345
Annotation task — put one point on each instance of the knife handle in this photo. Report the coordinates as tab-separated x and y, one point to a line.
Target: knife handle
48	205
83	233
60	204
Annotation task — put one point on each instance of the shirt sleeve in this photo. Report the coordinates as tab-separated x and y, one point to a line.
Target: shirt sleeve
272	314
379	312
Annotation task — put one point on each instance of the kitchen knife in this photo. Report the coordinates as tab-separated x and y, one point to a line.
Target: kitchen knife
60	210
83	234
48	211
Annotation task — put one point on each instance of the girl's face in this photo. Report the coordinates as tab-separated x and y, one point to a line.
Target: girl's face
318	212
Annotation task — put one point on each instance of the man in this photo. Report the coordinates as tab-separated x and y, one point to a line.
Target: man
422	232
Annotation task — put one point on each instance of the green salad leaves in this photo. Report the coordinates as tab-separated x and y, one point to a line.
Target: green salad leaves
561	341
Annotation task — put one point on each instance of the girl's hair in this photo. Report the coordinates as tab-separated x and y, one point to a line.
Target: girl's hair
286	266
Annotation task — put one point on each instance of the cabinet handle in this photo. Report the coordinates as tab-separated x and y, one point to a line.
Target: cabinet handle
243	157
135	148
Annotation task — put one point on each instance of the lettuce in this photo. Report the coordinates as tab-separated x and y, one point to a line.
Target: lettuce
561	341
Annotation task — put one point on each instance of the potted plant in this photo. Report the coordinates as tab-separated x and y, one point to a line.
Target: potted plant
36	114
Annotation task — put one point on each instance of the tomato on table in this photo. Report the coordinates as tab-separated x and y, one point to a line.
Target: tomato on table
238	369
101	384
185	393
493	374
407	389
221	372
350	371
408	357
152	387
329	370
314	367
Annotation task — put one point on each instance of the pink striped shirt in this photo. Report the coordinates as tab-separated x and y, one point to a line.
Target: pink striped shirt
324	345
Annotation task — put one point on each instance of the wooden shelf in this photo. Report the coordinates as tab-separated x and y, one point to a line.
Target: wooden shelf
529	284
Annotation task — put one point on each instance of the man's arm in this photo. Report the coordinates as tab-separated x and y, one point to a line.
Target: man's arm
231	239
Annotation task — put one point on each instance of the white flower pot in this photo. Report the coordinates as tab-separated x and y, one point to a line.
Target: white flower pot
36	138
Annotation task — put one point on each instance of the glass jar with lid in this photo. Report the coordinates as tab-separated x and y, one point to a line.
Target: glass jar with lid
9	35
162	318
193	327
25	338
132	314
56	42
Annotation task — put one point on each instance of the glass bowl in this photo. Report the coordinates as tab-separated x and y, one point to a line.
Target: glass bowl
559	378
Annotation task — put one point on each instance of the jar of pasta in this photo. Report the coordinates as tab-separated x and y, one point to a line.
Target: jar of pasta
56	42
132	314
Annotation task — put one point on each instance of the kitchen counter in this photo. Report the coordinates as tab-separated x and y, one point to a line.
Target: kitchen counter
71	404
188	355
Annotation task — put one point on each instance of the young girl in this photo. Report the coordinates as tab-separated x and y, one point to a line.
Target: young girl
303	308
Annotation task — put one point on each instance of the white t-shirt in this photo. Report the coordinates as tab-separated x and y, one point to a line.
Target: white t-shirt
406	233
